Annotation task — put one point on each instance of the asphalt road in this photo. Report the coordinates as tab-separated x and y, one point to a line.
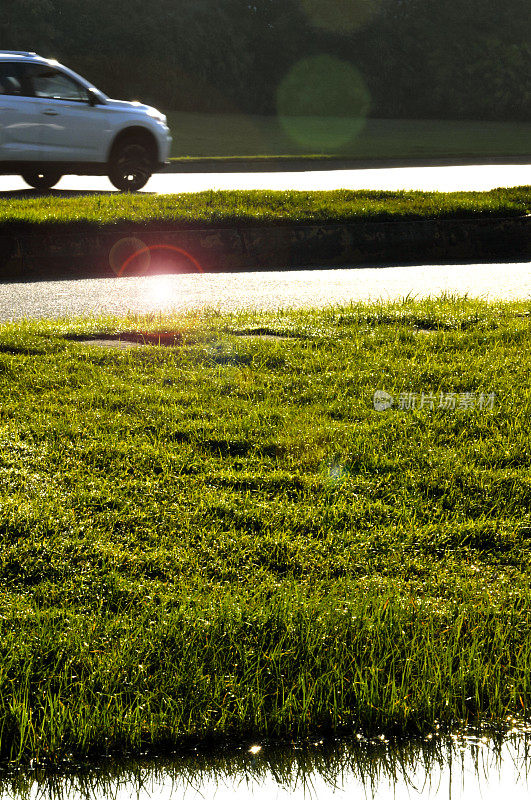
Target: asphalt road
445	179
260	290
274	290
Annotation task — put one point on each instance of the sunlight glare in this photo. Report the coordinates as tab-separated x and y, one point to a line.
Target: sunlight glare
161	290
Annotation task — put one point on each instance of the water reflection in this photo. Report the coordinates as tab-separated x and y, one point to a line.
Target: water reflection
451	767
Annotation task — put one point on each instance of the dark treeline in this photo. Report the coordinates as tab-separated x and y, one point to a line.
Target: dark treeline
468	59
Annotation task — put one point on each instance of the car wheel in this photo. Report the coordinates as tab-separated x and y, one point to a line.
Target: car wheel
41	178
131	166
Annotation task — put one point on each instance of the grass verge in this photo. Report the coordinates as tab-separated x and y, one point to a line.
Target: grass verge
257	207
225	538
228	135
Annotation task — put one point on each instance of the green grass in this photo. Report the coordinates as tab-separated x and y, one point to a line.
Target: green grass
229	135
225	539
260	207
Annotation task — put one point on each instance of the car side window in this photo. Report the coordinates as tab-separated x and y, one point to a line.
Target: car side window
10	79
53	84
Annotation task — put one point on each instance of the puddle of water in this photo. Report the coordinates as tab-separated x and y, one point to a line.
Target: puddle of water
451	767
116	344
128	339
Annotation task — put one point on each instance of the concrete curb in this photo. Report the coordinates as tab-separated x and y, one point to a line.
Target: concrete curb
46	254
313	164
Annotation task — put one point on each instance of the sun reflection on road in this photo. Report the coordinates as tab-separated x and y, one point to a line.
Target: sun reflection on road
161	290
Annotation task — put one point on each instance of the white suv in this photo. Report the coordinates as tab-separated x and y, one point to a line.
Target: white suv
53	122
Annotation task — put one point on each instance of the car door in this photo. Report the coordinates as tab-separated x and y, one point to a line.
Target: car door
19	129
70	128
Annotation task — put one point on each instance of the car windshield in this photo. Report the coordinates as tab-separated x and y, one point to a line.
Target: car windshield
83	80
89	86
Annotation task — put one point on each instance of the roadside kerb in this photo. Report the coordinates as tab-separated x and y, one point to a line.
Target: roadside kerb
235	164
45	252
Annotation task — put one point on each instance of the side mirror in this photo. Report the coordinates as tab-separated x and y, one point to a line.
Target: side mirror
93	97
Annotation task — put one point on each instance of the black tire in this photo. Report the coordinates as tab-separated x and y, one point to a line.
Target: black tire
131	165
41	178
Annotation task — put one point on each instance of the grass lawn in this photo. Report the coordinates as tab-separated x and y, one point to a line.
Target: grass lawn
230	135
260	207
225	538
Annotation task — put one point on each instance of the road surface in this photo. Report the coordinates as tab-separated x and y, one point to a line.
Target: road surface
274	290
259	290
444	179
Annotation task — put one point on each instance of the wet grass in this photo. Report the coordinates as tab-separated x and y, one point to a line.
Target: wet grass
260	207
225	539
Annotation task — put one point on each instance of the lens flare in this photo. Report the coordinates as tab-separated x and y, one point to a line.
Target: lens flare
334	474
124	250
157	247
161	290
323	103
